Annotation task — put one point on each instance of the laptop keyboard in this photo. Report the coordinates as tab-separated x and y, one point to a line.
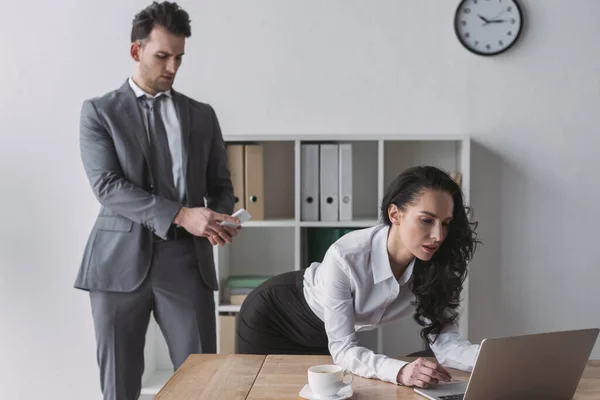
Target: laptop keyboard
452	397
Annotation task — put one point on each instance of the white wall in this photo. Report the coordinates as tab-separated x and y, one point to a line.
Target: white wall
275	66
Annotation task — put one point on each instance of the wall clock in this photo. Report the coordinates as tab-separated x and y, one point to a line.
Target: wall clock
488	27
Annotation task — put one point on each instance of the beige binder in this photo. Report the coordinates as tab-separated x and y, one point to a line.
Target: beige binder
237	299
235	163
227	334
457	177
255	185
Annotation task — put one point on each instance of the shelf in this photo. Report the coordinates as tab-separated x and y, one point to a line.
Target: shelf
399	155
323	166
339	224
315	241
344	137
229	308
290	223
271	223
282	239
260	250
156	381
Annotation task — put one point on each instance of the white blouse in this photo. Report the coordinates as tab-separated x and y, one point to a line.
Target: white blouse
354	289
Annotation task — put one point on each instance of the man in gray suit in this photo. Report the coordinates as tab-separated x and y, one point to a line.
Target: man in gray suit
156	161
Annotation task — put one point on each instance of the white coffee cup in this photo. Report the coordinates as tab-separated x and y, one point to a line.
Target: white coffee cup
327	379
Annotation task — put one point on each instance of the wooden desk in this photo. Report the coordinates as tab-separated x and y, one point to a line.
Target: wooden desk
282	377
212	376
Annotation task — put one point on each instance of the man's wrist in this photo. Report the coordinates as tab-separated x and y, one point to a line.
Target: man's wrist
180	216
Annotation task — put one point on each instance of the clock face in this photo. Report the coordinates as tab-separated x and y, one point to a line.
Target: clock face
488	27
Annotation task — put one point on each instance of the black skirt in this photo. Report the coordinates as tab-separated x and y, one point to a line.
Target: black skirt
276	319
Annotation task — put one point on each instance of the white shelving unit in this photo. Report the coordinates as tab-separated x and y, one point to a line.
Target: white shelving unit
275	245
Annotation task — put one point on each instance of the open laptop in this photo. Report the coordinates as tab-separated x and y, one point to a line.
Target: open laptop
539	366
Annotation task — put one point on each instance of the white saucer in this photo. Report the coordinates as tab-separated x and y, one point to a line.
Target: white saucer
344	393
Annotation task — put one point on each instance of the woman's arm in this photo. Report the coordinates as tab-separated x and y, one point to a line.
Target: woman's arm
453	351
339	318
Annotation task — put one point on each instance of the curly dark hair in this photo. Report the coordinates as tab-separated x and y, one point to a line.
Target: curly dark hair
166	14
437	283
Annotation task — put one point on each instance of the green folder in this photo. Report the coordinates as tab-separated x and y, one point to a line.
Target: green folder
318	240
245	281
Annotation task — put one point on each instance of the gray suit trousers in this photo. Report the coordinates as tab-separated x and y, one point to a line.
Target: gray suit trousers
183	307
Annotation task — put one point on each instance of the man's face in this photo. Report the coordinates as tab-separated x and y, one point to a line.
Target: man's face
158	59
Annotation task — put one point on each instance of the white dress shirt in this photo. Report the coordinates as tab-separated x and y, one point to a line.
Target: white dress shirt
170	120
354	289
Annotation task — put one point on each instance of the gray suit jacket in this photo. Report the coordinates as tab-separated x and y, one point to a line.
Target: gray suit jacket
114	151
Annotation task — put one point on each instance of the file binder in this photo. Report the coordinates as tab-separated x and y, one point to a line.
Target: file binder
345	181
227	334
309	187
329	185
235	164
457	177
255	185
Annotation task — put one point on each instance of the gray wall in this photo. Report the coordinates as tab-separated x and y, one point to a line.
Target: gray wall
275	66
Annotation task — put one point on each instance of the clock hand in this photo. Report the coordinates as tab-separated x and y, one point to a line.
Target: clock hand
499	15
483	18
495	21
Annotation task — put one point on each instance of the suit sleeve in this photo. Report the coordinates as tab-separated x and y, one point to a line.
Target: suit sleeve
110	187
219	189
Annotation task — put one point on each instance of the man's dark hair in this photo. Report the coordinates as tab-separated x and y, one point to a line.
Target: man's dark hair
166	14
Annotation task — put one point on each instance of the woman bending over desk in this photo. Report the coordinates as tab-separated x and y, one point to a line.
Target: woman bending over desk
414	263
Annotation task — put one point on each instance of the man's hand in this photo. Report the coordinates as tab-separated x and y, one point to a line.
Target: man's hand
204	222
422	373
223	238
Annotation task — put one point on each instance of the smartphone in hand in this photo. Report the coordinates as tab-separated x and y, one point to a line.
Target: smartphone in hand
242	214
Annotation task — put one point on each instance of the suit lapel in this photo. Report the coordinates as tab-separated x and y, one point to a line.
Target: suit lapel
130	105
183	109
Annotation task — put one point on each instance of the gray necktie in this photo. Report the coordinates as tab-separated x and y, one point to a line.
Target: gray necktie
161	163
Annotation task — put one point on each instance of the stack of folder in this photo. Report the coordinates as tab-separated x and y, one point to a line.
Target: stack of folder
246	166
326	182
238	287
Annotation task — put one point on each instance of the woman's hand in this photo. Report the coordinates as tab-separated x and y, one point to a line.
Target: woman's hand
422	373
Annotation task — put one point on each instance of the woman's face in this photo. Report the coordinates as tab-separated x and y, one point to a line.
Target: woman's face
423	226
